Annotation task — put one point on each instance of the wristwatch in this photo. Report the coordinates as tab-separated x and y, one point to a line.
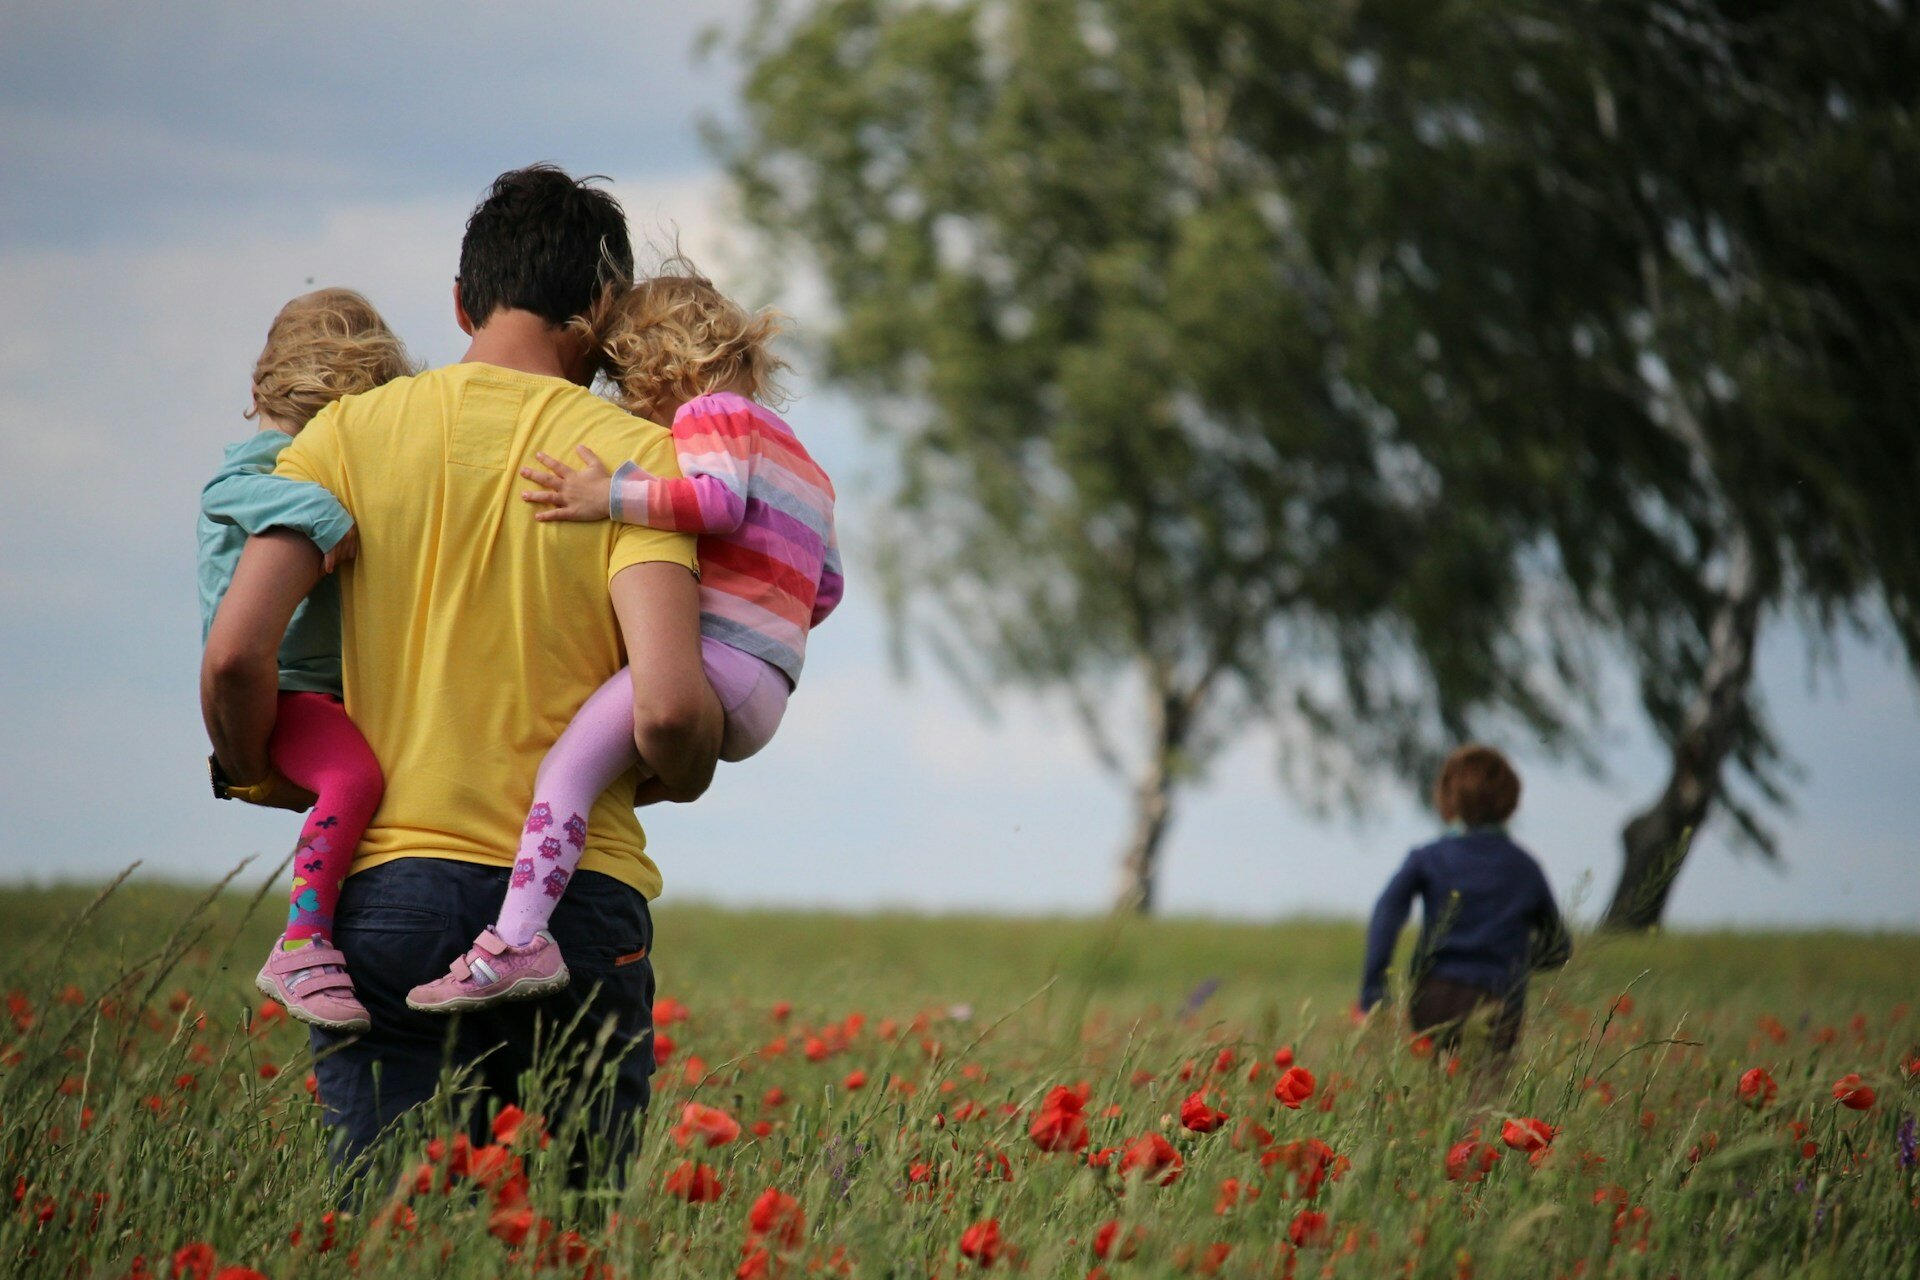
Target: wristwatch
224	789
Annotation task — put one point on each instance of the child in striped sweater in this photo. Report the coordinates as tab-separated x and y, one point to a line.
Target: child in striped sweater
680	352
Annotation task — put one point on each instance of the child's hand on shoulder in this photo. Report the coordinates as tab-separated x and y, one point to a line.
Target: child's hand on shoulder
570	493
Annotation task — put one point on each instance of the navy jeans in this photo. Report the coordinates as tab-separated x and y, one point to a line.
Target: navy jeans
403	922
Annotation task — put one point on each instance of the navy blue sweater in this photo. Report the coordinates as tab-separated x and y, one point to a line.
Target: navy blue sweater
1487	916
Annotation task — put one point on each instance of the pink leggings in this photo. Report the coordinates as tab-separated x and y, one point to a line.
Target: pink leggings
315	745
597	748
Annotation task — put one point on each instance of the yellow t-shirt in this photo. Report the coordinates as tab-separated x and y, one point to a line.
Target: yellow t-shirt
471	633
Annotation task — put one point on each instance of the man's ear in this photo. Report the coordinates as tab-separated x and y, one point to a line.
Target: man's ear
460	316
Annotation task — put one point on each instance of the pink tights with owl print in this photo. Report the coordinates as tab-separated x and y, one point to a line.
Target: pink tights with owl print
596	748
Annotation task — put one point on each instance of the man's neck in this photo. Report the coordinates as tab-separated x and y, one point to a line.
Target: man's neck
513	339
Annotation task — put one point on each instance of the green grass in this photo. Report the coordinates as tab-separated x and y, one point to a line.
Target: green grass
147	1106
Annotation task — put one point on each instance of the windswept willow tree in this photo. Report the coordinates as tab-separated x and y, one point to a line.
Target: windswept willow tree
1134	468
1337	367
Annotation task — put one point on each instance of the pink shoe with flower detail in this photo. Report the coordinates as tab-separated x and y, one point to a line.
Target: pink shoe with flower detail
492	972
312	982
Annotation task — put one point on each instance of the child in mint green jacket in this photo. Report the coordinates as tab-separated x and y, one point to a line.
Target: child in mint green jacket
322	346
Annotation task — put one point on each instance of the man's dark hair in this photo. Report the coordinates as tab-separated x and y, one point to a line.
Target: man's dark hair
543	242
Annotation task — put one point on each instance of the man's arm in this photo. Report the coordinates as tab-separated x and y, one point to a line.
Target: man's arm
676	718
240	671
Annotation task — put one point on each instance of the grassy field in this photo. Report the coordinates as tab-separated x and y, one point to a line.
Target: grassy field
155	1118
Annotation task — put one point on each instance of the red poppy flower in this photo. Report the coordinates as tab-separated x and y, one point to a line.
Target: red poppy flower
195	1261
667	1011
511	1224
694	1183
1309	1228
778	1217
1295	1086
492	1165
1153	1157
238	1273
1061	1122
1850	1093
1283	1057
1470	1161
1311	1162
512	1122
1196	1115
981	1242
1230	1193
709	1125
1757	1088
1528	1134
1108	1243
855	1079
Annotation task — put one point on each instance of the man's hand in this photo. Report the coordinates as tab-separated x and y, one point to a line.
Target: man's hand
583	493
240	671
344	550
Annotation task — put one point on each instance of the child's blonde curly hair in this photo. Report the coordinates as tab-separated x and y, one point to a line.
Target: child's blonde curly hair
674	336
322	346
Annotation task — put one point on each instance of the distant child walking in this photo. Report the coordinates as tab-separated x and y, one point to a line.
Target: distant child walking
320	347
679	351
1487	914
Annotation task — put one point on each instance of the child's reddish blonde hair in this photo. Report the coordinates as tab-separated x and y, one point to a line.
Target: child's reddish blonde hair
1476	787
675	336
322	346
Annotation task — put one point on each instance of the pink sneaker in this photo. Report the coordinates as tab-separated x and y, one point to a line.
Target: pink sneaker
493	972
312	982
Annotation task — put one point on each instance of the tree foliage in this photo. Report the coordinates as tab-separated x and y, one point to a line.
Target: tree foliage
1339	367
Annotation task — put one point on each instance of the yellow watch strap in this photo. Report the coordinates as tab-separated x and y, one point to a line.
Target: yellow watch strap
255	792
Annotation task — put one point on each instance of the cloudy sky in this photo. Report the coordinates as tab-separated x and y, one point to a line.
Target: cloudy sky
172	180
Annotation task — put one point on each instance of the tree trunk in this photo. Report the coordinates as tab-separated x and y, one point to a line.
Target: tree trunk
1656	841
1152	806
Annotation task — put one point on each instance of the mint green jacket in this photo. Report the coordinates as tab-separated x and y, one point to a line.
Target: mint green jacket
244	498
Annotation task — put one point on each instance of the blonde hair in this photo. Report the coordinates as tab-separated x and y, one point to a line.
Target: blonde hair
673	337
322	346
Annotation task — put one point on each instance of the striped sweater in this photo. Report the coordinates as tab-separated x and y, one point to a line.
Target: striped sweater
769	560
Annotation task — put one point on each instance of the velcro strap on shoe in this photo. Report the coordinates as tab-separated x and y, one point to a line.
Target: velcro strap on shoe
311	956
308	981
461	969
490	942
